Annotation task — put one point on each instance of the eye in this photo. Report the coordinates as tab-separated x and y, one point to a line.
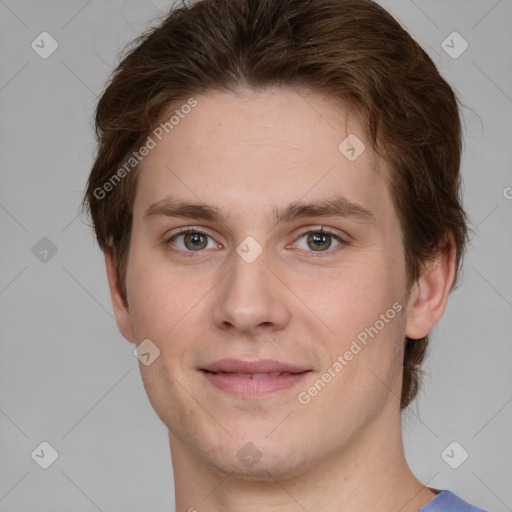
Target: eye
192	240
318	241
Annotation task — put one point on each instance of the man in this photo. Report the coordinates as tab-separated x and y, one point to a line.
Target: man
276	192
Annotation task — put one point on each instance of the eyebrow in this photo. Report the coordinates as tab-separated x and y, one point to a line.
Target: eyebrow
336	207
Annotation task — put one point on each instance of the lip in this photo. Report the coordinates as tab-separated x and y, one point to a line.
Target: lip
253	378
259	366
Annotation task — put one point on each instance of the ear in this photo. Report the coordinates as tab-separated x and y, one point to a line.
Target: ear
121	310
429	295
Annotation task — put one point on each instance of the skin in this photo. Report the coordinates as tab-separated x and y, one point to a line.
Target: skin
249	154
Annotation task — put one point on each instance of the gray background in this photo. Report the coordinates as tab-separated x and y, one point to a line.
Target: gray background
69	378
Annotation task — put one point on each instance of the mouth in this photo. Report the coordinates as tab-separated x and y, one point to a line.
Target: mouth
252	375
253	378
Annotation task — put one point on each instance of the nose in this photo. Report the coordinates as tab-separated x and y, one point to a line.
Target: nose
251	299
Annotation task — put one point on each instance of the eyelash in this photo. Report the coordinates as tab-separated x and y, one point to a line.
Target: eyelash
190	254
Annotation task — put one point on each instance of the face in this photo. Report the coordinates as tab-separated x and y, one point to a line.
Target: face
278	302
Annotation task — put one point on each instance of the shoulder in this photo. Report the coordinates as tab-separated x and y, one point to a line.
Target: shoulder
447	501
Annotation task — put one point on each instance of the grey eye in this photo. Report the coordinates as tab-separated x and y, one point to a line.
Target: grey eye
317	241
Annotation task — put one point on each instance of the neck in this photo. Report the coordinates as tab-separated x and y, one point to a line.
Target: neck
367	475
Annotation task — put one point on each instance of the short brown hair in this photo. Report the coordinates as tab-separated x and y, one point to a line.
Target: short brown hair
352	50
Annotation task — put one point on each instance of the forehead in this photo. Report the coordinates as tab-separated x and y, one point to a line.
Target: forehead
261	150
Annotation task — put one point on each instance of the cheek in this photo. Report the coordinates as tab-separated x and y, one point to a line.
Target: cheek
353	297
365	359
171	309
158	298
363	311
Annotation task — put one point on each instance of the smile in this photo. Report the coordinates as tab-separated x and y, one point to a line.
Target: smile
253	379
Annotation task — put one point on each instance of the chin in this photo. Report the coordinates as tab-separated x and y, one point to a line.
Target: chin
267	469
261	460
